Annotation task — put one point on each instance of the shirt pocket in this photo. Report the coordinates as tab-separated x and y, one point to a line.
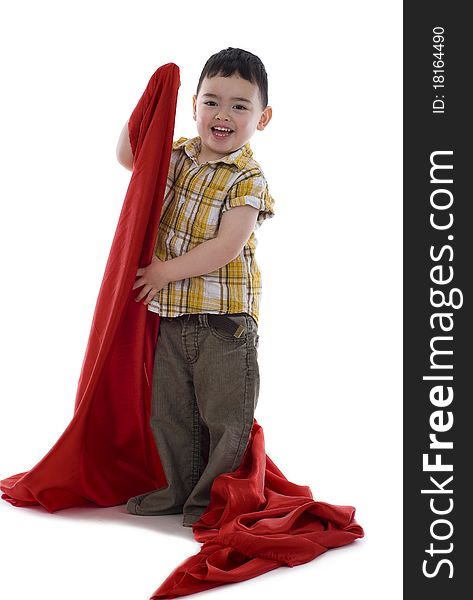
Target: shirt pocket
206	219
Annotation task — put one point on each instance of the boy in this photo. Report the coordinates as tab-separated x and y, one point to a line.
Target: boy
205	284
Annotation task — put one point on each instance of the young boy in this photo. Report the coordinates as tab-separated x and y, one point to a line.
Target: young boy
205	284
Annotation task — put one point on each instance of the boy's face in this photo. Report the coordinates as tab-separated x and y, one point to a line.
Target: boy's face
230	103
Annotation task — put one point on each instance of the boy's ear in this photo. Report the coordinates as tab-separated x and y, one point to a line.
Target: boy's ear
265	118
194	103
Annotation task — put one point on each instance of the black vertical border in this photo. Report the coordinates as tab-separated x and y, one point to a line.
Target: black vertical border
424	133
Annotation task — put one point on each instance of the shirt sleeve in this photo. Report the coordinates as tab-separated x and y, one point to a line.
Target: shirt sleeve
251	190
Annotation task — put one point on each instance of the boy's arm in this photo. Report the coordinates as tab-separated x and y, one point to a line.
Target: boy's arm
124	153
236	226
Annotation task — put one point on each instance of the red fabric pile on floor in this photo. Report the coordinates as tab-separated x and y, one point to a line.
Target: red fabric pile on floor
257	520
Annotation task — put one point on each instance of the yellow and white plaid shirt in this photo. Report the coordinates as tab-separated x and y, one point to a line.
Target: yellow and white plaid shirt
195	198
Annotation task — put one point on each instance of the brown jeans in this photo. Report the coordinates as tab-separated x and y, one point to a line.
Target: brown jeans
205	391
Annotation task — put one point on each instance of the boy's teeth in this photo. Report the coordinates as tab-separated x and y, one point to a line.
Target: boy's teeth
221	132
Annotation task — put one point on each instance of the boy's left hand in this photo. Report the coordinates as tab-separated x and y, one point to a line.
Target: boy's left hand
152	278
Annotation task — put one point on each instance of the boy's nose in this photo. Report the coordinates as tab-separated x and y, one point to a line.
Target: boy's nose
222	116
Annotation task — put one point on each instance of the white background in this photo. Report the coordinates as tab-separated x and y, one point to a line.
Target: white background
330	321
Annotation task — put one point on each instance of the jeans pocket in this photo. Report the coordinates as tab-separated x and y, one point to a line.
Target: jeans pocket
223	334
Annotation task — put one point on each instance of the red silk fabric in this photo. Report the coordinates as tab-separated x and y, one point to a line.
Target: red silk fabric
257	520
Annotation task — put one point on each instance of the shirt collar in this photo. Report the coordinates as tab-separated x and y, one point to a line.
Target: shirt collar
239	158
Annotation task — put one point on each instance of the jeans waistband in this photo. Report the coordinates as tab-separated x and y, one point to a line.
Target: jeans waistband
223	321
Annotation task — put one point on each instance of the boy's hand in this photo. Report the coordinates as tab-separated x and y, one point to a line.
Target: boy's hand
153	278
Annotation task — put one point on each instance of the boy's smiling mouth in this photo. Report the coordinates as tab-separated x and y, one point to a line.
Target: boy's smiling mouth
221	132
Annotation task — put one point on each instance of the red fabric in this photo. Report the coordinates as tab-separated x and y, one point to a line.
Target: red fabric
257	520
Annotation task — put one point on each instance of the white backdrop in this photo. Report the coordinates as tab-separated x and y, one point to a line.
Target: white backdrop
330	321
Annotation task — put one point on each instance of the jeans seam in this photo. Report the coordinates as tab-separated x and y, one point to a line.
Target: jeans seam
195	443
245	403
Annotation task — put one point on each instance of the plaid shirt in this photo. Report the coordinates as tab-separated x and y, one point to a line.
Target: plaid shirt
195	198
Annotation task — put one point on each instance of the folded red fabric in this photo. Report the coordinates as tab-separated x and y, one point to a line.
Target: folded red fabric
257	520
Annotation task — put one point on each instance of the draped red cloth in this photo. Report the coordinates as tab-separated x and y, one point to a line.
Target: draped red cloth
256	520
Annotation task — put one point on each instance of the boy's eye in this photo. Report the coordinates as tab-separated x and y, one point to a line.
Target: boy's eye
213	103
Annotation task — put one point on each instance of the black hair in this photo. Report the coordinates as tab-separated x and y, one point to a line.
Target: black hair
235	60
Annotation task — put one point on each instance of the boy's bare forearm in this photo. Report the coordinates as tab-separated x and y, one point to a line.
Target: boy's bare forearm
203	258
124	152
